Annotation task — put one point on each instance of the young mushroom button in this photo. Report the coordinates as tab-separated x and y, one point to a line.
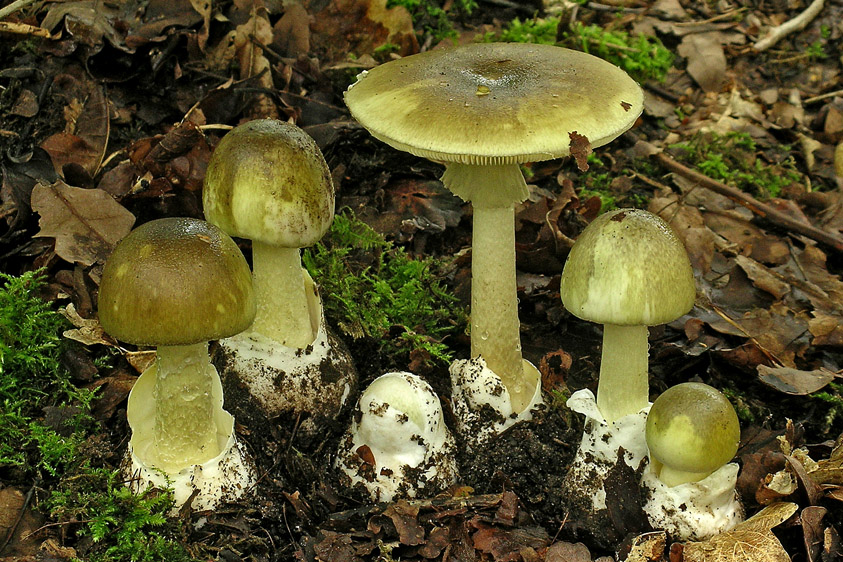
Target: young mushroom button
627	270
483	109
692	430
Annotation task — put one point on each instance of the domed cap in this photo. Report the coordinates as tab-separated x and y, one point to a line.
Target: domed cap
175	281
628	267
495	103
268	181
693	428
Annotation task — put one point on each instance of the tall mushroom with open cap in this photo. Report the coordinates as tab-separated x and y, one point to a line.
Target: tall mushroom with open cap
484	109
176	284
268	181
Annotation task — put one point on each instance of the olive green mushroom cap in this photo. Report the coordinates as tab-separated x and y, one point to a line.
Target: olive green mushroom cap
494	103
175	281
692	427
268	181
628	267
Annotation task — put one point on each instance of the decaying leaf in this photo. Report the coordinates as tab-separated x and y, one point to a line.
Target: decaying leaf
794	381
361	26
87	331
248	41
86	223
750	541
86	129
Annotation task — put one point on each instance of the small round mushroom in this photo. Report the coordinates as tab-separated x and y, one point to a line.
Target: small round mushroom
692	433
483	109
692	430
398	444
176	284
267	181
627	270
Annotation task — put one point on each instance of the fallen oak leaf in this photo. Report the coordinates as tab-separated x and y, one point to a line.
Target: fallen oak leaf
86	223
750	541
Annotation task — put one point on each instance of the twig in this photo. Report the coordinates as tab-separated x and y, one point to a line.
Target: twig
823	96
775	34
14	7
761	209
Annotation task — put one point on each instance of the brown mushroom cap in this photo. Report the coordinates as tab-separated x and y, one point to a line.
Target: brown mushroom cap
175	281
268	181
495	103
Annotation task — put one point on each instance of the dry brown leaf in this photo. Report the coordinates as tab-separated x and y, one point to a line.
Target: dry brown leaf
750	541
361	26
706	60
86	129
794	381
248	39
86	223
87	331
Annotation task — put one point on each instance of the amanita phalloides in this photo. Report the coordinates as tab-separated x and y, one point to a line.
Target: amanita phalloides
268	181
482	110
398	445
176	284
692	433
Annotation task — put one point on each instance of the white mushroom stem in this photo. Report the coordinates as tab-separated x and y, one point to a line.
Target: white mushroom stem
623	388
185	433
282	314
495	329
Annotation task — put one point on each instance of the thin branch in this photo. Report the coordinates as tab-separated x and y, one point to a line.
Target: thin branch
14	7
776	34
761	209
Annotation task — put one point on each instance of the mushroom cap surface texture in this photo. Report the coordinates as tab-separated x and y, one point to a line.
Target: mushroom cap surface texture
495	103
692	427
268	181
628	267
175	281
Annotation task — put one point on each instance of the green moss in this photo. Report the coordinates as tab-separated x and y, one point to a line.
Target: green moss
832	399
642	56
733	159
371	288
431	16
122	526
741	404
31	379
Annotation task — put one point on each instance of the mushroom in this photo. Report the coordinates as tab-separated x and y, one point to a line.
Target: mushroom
268	181
177	283
398	444
627	270
484	109
692	432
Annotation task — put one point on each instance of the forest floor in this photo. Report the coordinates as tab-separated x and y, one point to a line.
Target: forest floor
111	110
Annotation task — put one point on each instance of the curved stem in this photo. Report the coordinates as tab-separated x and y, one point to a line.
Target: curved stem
283	314
623	387
185	431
